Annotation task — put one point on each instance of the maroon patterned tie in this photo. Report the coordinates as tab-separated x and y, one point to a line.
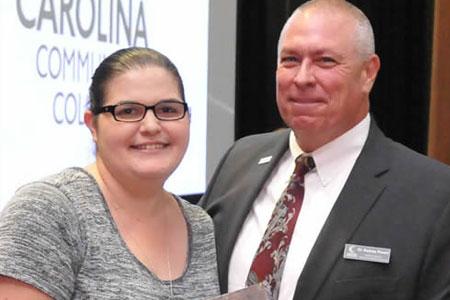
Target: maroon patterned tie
268	264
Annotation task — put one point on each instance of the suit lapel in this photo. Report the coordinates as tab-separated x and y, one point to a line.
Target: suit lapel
359	194
239	201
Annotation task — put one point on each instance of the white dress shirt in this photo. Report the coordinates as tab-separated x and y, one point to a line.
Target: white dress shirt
334	162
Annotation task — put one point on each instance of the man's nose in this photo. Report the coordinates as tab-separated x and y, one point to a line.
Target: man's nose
305	74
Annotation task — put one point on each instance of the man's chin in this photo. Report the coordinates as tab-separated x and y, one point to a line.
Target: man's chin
304	123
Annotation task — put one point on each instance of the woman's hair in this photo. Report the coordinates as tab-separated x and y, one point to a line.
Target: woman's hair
125	60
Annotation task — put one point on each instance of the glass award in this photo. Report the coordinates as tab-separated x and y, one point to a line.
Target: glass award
254	292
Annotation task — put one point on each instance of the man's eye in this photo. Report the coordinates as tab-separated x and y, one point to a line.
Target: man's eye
326	61
288	59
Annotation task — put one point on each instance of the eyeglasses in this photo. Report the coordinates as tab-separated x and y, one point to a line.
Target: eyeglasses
166	110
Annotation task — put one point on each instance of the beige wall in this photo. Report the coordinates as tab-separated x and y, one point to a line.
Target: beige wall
439	130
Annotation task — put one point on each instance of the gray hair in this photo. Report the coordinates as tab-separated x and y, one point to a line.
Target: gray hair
365	40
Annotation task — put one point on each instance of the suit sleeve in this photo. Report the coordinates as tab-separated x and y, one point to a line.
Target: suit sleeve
434	283
208	196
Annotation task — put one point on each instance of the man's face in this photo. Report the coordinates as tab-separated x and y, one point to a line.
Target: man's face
322	81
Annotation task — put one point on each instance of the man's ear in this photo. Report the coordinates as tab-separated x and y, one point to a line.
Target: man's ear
370	71
90	121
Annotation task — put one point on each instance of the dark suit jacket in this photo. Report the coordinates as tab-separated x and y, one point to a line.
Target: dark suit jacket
394	198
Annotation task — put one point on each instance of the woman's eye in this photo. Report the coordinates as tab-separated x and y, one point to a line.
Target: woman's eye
128	110
168	109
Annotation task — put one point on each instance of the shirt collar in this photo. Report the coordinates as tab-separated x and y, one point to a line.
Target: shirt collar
338	154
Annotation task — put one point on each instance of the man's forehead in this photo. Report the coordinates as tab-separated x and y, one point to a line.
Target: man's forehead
318	38
327	14
317	25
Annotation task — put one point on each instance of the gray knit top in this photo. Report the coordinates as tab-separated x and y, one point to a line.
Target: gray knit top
57	234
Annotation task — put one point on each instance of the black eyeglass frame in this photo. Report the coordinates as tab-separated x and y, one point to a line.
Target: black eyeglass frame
111	109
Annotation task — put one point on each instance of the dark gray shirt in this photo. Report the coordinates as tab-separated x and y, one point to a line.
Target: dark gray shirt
58	235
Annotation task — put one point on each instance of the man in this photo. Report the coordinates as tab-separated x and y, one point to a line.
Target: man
375	218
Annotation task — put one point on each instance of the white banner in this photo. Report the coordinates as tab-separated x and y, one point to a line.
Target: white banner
49	51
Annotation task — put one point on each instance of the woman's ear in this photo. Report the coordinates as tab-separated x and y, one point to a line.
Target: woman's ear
90	121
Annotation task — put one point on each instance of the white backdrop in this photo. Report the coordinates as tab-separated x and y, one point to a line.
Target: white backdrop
48	53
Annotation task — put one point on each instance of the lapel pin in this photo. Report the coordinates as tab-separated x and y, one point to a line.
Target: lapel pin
264	160
367	253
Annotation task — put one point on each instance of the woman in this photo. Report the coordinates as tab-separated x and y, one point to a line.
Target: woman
111	231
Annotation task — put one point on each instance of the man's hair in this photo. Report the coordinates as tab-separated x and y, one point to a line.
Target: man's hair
365	40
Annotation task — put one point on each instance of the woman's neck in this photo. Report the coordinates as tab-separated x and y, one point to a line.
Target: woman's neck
151	224
136	196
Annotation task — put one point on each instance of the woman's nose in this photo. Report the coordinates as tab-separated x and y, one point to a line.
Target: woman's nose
150	123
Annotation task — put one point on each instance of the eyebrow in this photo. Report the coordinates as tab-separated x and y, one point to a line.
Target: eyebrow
138	102
314	52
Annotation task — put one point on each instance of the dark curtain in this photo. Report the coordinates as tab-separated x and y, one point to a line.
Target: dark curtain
400	97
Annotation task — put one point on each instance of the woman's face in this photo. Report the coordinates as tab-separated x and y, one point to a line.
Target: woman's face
147	149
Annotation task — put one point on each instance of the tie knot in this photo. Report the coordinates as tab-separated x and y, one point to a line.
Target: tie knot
304	164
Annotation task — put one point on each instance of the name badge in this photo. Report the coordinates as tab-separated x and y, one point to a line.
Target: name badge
367	253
